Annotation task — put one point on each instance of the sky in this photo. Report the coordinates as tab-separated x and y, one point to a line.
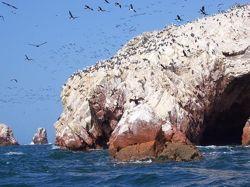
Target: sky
34	100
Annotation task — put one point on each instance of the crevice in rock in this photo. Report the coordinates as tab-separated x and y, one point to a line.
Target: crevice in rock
223	125
105	117
231	54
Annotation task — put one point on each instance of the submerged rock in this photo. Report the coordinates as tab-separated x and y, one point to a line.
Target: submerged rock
40	137
188	83
246	134
6	136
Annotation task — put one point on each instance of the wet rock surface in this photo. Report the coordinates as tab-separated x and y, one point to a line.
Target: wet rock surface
177	82
40	137
246	133
6	136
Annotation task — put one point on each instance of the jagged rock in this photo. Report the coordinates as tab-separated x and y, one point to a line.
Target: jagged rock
246	134
191	82
40	137
6	136
179	152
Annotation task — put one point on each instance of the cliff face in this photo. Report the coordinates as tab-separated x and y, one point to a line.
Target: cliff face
6	136
191	83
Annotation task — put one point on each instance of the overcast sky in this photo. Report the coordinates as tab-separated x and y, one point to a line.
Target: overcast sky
34	100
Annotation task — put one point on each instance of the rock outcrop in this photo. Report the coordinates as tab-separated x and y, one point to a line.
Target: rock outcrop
40	137
6	136
246	133
188	83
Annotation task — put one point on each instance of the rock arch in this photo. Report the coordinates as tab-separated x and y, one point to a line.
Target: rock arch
225	122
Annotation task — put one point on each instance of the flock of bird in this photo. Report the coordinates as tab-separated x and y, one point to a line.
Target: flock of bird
87	7
100	9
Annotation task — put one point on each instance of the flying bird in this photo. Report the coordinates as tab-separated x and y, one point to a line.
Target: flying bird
101	10
118	4
107	1
2	17
203	11
27	58
178	18
9	5
131	8
88	7
71	15
38	45
15	80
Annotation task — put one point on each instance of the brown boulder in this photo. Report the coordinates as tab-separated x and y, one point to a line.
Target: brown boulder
179	152
6	136
158	150
141	151
246	134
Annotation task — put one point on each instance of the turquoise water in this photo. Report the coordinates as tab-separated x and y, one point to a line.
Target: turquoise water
48	166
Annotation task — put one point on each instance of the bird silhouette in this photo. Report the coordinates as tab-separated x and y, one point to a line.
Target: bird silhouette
101	10
15	80
131	8
118	4
71	15
136	100
27	58
178	18
203	11
107	1
88	7
9	5
184	53
2	17
38	45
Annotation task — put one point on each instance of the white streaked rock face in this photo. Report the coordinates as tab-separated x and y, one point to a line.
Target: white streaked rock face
6	136
175	73
40	137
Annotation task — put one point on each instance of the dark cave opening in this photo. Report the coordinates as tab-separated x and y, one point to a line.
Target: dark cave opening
224	125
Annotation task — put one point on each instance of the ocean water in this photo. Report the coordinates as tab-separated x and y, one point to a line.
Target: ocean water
46	165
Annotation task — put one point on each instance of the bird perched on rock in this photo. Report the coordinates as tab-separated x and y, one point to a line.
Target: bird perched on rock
136	100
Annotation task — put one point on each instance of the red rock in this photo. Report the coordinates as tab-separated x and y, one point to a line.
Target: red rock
137	152
40	137
246	134
136	127
179	137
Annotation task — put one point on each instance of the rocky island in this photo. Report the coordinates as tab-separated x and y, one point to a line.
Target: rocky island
40	137
164	92
6	136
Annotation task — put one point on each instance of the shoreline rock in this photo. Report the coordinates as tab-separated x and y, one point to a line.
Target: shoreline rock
246	133
189	83
7	136
40	137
